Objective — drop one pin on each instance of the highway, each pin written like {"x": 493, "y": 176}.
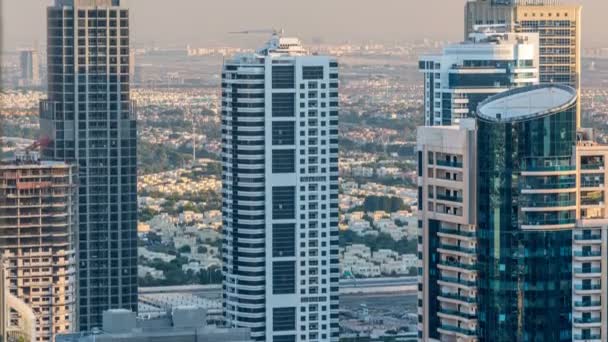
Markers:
{"x": 347, "y": 286}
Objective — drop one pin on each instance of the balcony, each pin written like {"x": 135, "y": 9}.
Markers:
{"x": 540, "y": 223}
{"x": 592, "y": 184}
{"x": 587, "y": 304}
{"x": 455, "y": 280}
{"x": 464, "y": 331}
{"x": 457, "y": 265}
{"x": 549, "y": 186}
{"x": 544, "y": 168}
{"x": 592, "y": 270}
{"x": 462, "y": 249}
{"x": 587, "y": 338}
{"x": 447, "y": 163}
{"x": 592, "y": 166}
{"x": 589, "y": 320}
{"x": 588, "y": 254}
{"x": 548, "y": 204}
{"x": 592, "y": 287}
{"x": 453, "y": 231}
{"x": 450, "y": 198}
{"x": 583, "y": 237}
{"x": 458, "y": 297}
{"x": 457, "y": 313}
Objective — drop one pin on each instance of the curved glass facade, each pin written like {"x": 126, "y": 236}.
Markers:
{"x": 525, "y": 229}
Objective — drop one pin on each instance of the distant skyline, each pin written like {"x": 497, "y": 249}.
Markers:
{"x": 207, "y": 22}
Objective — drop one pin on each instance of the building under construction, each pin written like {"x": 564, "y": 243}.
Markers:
{"x": 38, "y": 215}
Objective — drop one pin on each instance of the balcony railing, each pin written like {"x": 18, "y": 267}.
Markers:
{"x": 450, "y": 198}
{"x": 582, "y": 237}
{"x": 588, "y": 253}
{"x": 587, "y": 270}
{"x": 457, "y": 232}
{"x": 458, "y": 281}
{"x": 456, "y": 296}
{"x": 465, "y": 331}
{"x": 458, "y": 264}
{"x": 584, "y": 304}
{"x": 548, "y": 204}
{"x": 592, "y": 166}
{"x": 458, "y": 248}
{"x": 449, "y": 163}
{"x": 587, "y": 337}
{"x": 457, "y": 313}
{"x": 588, "y": 287}
{"x": 550, "y": 222}
{"x": 588, "y": 320}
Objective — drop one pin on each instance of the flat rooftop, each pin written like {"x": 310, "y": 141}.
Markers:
{"x": 526, "y": 103}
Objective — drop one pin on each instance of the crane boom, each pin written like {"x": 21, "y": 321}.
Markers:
{"x": 270, "y": 31}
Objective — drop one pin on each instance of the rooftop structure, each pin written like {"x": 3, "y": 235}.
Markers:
{"x": 527, "y": 103}
{"x": 184, "y": 324}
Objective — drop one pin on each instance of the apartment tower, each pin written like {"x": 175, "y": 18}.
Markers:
{"x": 280, "y": 193}
{"x": 37, "y": 240}
{"x": 489, "y": 62}
{"x": 558, "y": 26}
{"x": 89, "y": 120}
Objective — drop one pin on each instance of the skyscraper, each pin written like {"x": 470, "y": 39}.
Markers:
{"x": 30, "y": 67}
{"x": 280, "y": 193}
{"x": 559, "y": 28}
{"x": 487, "y": 63}
{"x": 37, "y": 240}
{"x": 89, "y": 120}
{"x": 512, "y": 215}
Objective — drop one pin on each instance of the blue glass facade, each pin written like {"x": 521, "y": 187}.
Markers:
{"x": 525, "y": 274}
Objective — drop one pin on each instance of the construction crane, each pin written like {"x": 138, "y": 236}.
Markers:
{"x": 274, "y": 32}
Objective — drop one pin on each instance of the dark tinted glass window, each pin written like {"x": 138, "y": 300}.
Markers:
{"x": 283, "y": 277}
{"x": 283, "y": 105}
{"x": 283, "y": 202}
{"x": 312, "y": 72}
{"x": 283, "y": 77}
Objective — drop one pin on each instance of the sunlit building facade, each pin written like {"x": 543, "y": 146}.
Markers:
{"x": 37, "y": 241}
{"x": 280, "y": 193}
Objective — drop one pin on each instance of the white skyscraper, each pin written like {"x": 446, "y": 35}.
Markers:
{"x": 465, "y": 74}
{"x": 280, "y": 193}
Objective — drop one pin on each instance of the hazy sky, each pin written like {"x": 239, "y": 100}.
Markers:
{"x": 199, "y": 22}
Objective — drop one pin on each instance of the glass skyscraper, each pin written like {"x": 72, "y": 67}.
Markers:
{"x": 89, "y": 120}
{"x": 526, "y": 210}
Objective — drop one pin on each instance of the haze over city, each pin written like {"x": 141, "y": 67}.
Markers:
{"x": 176, "y": 23}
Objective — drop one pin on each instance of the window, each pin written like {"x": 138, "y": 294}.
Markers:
{"x": 283, "y": 105}
{"x": 283, "y": 277}
{"x": 283, "y": 77}
{"x": 283, "y": 133}
{"x": 283, "y": 239}
{"x": 283, "y": 161}
{"x": 284, "y": 338}
{"x": 284, "y": 319}
{"x": 283, "y": 202}
{"x": 312, "y": 72}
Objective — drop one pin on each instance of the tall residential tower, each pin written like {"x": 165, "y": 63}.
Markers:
{"x": 88, "y": 119}
{"x": 558, "y": 26}
{"x": 280, "y": 193}
{"x": 487, "y": 63}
